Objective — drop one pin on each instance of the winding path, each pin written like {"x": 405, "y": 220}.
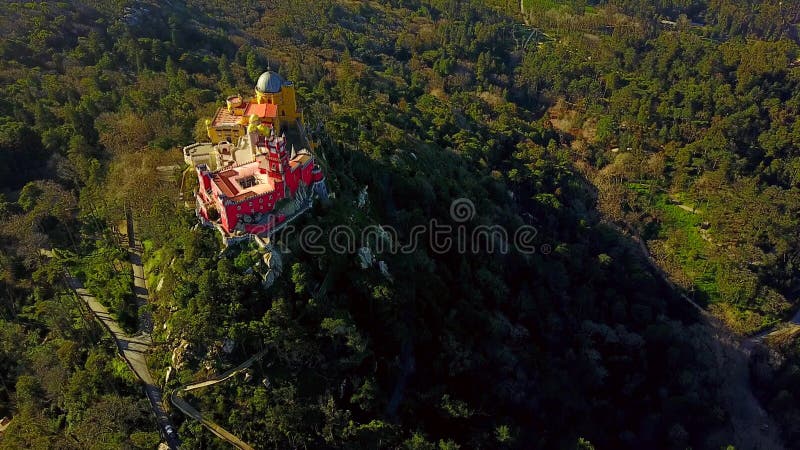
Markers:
{"x": 134, "y": 351}
{"x": 193, "y": 413}
{"x": 132, "y": 348}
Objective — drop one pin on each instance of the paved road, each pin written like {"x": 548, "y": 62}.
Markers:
{"x": 134, "y": 351}
{"x": 145, "y": 328}
{"x": 218, "y": 431}
{"x": 193, "y": 413}
{"x": 140, "y": 289}
{"x": 133, "y": 348}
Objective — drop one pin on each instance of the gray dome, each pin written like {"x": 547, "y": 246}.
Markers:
{"x": 270, "y": 82}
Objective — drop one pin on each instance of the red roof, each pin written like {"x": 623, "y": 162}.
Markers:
{"x": 262, "y": 110}
{"x": 225, "y": 118}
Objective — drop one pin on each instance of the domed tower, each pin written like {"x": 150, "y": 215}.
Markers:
{"x": 268, "y": 83}
{"x": 273, "y": 88}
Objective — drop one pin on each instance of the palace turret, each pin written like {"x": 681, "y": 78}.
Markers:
{"x": 274, "y": 104}
{"x": 252, "y": 165}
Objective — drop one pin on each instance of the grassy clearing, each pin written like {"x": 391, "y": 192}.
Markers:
{"x": 544, "y": 5}
{"x": 688, "y": 253}
{"x": 152, "y": 263}
{"x": 681, "y": 230}
{"x": 540, "y": 5}
{"x": 679, "y": 240}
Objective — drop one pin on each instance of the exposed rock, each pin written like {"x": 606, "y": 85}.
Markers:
{"x": 180, "y": 354}
{"x": 264, "y": 242}
{"x": 384, "y": 270}
{"x": 384, "y": 236}
{"x": 269, "y": 278}
{"x": 275, "y": 262}
{"x": 362, "y": 198}
{"x": 4, "y": 423}
{"x": 366, "y": 258}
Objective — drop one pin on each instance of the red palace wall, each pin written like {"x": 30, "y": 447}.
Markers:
{"x": 293, "y": 178}
{"x": 229, "y": 214}
{"x": 261, "y": 204}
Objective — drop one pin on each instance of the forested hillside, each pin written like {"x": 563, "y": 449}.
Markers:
{"x": 675, "y": 122}
{"x": 687, "y": 118}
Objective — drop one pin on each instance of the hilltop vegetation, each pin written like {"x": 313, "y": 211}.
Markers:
{"x": 674, "y": 105}
{"x": 424, "y": 102}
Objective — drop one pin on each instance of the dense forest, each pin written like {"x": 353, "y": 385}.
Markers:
{"x": 690, "y": 134}
{"x": 608, "y": 126}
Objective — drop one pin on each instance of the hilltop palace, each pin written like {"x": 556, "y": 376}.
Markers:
{"x": 256, "y": 173}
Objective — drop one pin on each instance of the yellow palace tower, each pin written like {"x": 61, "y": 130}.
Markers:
{"x": 274, "y": 103}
